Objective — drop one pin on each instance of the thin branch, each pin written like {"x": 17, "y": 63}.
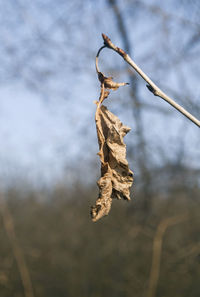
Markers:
{"x": 150, "y": 84}
{"x": 10, "y": 230}
{"x": 192, "y": 250}
{"x": 97, "y": 68}
{"x": 157, "y": 250}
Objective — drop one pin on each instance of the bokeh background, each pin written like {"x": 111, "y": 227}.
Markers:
{"x": 48, "y": 245}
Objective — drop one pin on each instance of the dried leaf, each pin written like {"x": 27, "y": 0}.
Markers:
{"x": 116, "y": 177}
{"x": 109, "y": 83}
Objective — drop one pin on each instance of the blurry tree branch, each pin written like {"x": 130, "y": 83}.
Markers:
{"x": 156, "y": 9}
{"x": 193, "y": 249}
{"x": 10, "y": 230}
{"x": 120, "y": 24}
{"x": 137, "y": 107}
{"x": 150, "y": 84}
{"x": 157, "y": 249}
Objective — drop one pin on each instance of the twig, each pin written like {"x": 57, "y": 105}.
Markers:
{"x": 10, "y": 230}
{"x": 150, "y": 84}
{"x": 157, "y": 249}
{"x": 102, "y": 96}
{"x": 97, "y": 68}
{"x": 106, "y": 82}
{"x": 186, "y": 252}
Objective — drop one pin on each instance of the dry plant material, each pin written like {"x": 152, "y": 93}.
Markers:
{"x": 116, "y": 177}
{"x": 109, "y": 83}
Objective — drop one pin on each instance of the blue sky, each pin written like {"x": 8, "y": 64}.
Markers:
{"x": 48, "y": 84}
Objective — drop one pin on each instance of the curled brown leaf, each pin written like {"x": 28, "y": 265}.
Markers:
{"x": 116, "y": 177}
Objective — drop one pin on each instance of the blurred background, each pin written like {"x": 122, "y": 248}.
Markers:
{"x": 147, "y": 247}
